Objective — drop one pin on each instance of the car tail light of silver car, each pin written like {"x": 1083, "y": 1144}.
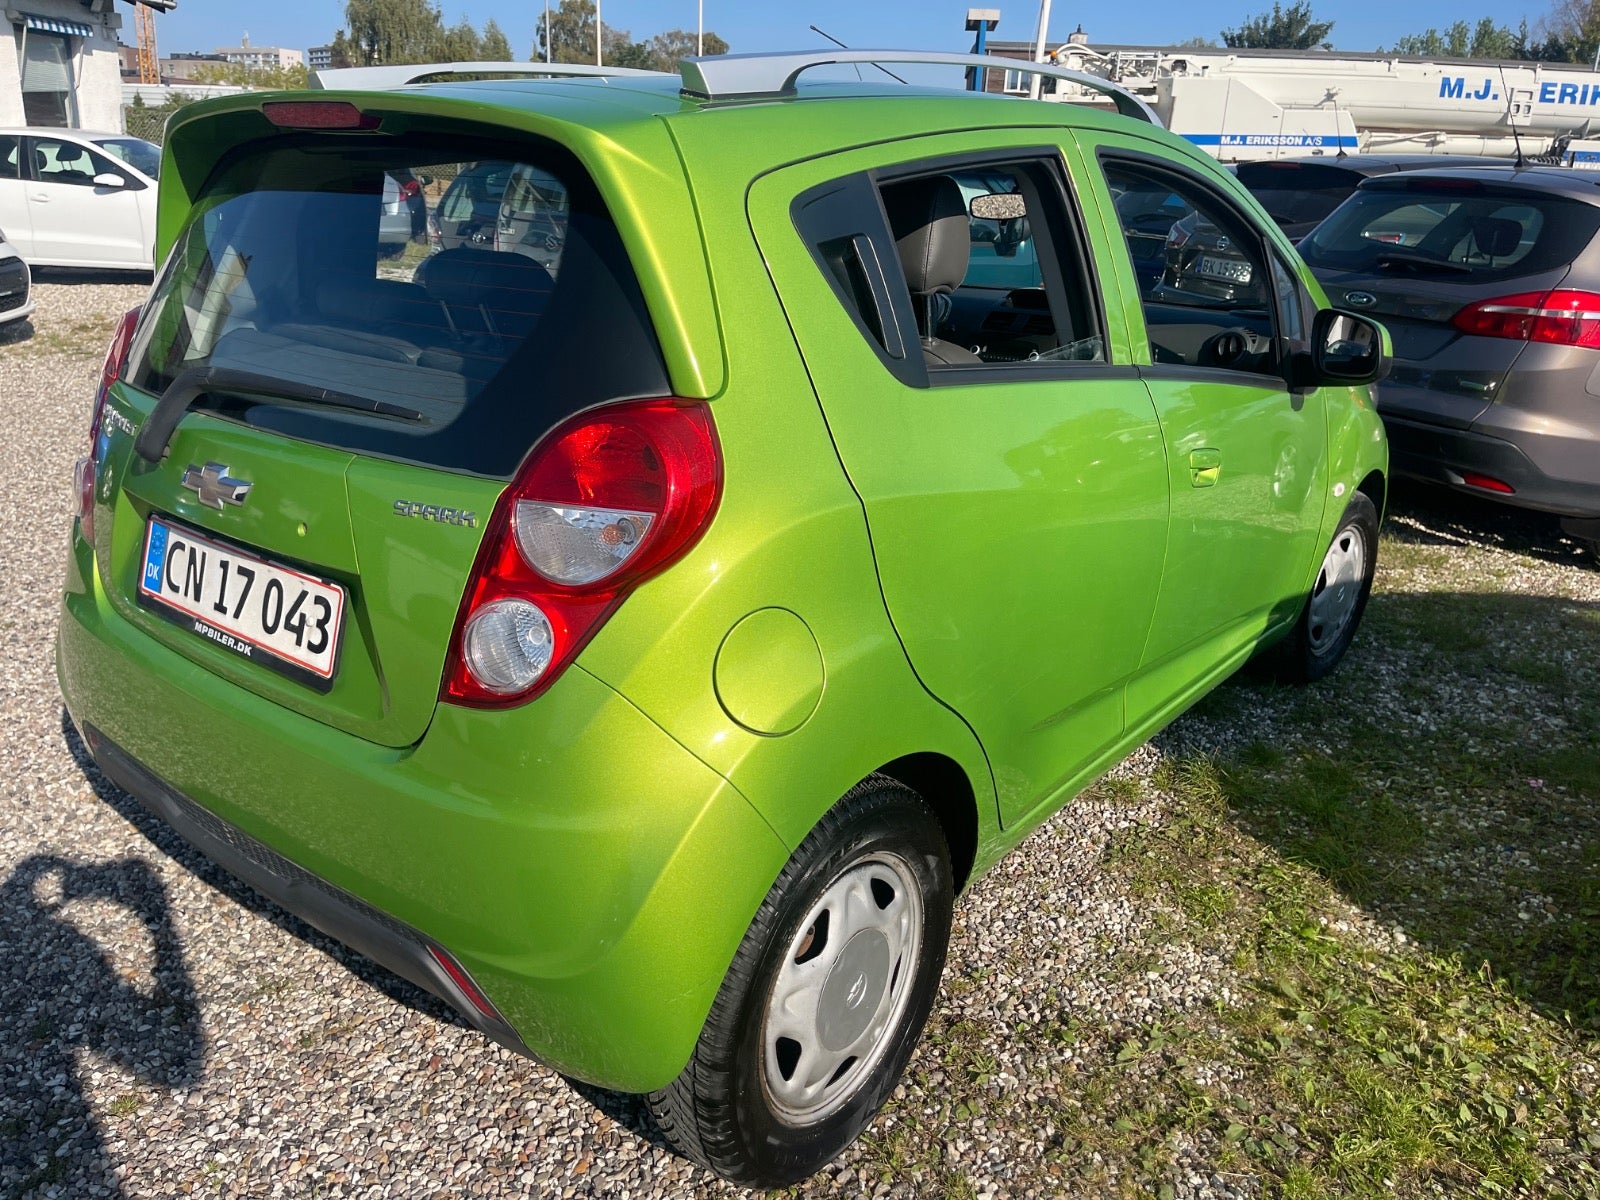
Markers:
{"x": 603, "y": 503}
{"x": 84, "y": 471}
{"x": 1566, "y": 317}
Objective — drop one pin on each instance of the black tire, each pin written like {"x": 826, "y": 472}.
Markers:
{"x": 730, "y": 1108}
{"x": 1317, "y": 643}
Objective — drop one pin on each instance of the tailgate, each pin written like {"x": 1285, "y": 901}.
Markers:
{"x": 329, "y": 417}
{"x": 320, "y": 517}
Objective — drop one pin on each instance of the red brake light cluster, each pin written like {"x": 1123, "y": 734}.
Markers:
{"x": 607, "y": 500}
{"x": 317, "y": 114}
{"x": 1565, "y": 317}
{"x": 110, "y": 371}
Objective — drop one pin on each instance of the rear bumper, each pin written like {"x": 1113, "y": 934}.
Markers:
{"x": 1444, "y": 455}
{"x": 590, "y": 876}
{"x": 388, "y": 942}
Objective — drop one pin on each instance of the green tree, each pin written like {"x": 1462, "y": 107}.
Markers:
{"x": 572, "y": 35}
{"x": 239, "y": 75}
{"x": 459, "y": 43}
{"x": 671, "y": 47}
{"x": 389, "y": 32}
{"x": 494, "y": 46}
{"x": 1289, "y": 28}
{"x": 1571, "y": 32}
{"x": 1461, "y": 40}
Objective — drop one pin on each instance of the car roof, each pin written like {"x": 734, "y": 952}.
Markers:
{"x": 1539, "y": 179}
{"x": 82, "y": 135}
{"x": 1377, "y": 164}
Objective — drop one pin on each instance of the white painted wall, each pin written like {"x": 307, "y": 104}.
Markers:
{"x": 96, "y": 69}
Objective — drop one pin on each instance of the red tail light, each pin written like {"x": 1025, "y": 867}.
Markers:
{"x": 607, "y": 500}
{"x": 1566, "y": 317}
{"x": 111, "y": 371}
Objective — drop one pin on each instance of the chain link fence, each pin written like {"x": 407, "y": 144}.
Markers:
{"x": 143, "y": 121}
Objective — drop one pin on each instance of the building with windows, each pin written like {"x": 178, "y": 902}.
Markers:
{"x": 319, "y": 58}
{"x": 62, "y": 68}
{"x": 259, "y": 58}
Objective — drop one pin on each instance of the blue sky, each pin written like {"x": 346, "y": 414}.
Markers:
{"x": 763, "y": 25}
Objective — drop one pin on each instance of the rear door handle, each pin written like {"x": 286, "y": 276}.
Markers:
{"x": 1205, "y": 467}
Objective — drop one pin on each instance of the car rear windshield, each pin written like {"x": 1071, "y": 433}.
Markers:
{"x": 1297, "y": 193}
{"x": 1457, "y": 230}
{"x": 465, "y": 324}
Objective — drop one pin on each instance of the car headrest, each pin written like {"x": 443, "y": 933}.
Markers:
{"x": 69, "y": 152}
{"x": 929, "y": 221}
{"x": 492, "y": 279}
{"x": 1496, "y": 236}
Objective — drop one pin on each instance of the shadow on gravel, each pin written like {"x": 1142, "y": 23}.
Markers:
{"x": 1447, "y": 779}
{"x": 169, "y": 842}
{"x": 1431, "y": 515}
{"x": 64, "y": 993}
{"x": 15, "y": 332}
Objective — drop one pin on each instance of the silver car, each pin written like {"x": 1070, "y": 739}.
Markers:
{"x": 1489, "y": 281}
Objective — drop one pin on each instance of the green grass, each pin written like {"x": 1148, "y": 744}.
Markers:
{"x": 1399, "y": 871}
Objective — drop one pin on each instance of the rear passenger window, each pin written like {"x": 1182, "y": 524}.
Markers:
{"x": 454, "y": 308}
{"x": 967, "y": 265}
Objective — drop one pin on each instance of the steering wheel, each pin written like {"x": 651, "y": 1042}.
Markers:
{"x": 1226, "y": 349}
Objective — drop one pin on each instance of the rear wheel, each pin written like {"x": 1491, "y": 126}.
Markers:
{"x": 826, "y": 996}
{"x": 1333, "y": 610}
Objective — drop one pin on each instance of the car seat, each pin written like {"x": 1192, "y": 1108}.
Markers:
{"x": 929, "y": 221}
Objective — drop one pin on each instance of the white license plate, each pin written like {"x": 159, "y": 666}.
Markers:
{"x": 1225, "y": 268}
{"x": 281, "y": 618}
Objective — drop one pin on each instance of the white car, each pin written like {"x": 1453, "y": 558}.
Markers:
{"x": 16, "y": 297}
{"x": 72, "y": 198}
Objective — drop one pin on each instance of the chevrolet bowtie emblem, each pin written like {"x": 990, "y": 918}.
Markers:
{"x": 214, "y": 485}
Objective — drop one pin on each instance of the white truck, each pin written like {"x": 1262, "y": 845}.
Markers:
{"x": 1247, "y": 105}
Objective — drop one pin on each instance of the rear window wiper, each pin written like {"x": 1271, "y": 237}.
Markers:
{"x": 1421, "y": 262}
{"x": 190, "y": 385}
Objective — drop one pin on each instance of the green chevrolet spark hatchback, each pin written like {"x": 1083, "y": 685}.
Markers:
{"x": 639, "y": 643}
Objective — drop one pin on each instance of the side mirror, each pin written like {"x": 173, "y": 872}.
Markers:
{"x": 1346, "y": 348}
{"x": 110, "y": 179}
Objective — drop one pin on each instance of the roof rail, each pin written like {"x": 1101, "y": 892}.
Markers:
{"x": 743, "y": 76}
{"x": 384, "y": 78}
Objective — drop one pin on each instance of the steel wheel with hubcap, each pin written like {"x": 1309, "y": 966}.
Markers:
{"x": 826, "y": 997}
{"x": 1338, "y": 597}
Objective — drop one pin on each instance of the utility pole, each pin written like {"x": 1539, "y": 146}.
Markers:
{"x": 700, "y": 32}
{"x": 598, "y": 41}
{"x": 547, "y": 30}
{"x": 1038, "y": 49}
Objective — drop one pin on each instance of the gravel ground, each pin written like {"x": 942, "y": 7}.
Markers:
{"x": 164, "y": 1031}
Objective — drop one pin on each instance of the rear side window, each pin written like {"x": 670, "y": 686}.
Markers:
{"x": 455, "y": 298}
{"x": 1297, "y": 193}
{"x": 1471, "y": 232}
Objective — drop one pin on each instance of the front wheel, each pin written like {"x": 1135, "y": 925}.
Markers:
{"x": 1338, "y": 597}
{"x": 825, "y": 998}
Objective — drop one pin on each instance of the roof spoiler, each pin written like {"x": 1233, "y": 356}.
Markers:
{"x": 380, "y": 79}
{"x": 746, "y": 76}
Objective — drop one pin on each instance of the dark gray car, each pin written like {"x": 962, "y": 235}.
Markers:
{"x": 1489, "y": 282}
{"x": 1299, "y": 193}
